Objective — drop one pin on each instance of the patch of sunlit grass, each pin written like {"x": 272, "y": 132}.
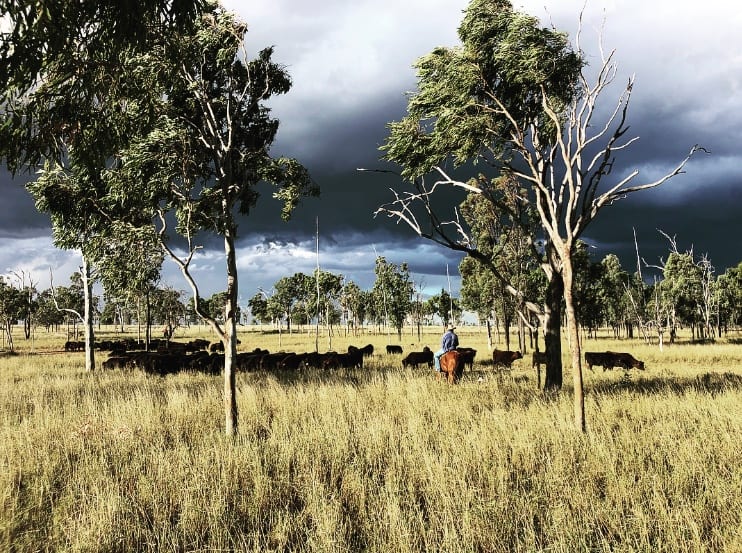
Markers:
{"x": 378, "y": 459}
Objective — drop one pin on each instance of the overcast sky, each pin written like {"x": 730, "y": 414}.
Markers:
{"x": 351, "y": 66}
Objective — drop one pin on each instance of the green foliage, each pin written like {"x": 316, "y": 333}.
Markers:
{"x": 446, "y": 307}
{"x": 38, "y": 34}
{"x": 356, "y": 302}
{"x": 505, "y": 60}
{"x": 612, "y": 291}
{"x": 12, "y": 307}
{"x": 259, "y": 308}
{"x": 392, "y": 293}
{"x": 208, "y": 147}
{"x": 47, "y": 315}
{"x": 682, "y": 286}
{"x": 288, "y": 291}
{"x": 129, "y": 259}
{"x": 502, "y": 227}
{"x": 729, "y": 294}
{"x": 329, "y": 286}
{"x": 167, "y": 307}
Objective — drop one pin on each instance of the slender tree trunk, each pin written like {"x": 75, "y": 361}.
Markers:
{"x": 87, "y": 285}
{"x": 506, "y": 324}
{"x": 553, "y": 333}
{"x": 148, "y": 323}
{"x": 574, "y": 346}
{"x": 9, "y": 332}
{"x": 489, "y": 335}
{"x": 230, "y": 331}
{"x": 521, "y": 336}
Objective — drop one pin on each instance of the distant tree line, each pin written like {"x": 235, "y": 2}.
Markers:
{"x": 684, "y": 294}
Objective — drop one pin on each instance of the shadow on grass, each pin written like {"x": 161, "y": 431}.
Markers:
{"x": 708, "y": 383}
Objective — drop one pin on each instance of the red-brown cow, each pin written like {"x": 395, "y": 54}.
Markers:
{"x": 505, "y": 358}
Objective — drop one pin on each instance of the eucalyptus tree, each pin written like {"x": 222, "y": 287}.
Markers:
{"x": 258, "y": 305}
{"x": 519, "y": 98}
{"x": 74, "y": 301}
{"x": 128, "y": 263}
{"x": 62, "y": 193}
{"x": 28, "y": 287}
{"x": 392, "y": 293}
{"x": 729, "y": 297}
{"x": 587, "y": 290}
{"x": 47, "y": 314}
{"x": 288, "y": 292}
{"x": 355, "y": 302}
{"x": 479, "y": 289}
{"x": 446, "y": 307}
{"x": 690, "y": 287}
{"x": 502, "y": 228}
{"x": 12, "y": 307}
{"x": 612, "y": 292}
{"x": 69, "y": 125}
{"x": 35, "y": 35}
{"x": 206, "y": 152}
{"x": 115, "y": 312}
{"x": 322, "y": 296}
{"x": 419, "y": 309}
{"x": 167, "y": 308}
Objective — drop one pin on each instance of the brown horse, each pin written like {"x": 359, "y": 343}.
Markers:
{"x": 452, "y": 364}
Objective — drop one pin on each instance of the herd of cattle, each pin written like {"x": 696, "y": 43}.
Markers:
{"x": 167, "y": 357}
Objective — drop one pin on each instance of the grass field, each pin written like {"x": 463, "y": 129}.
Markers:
{"x": 380, "y": 459}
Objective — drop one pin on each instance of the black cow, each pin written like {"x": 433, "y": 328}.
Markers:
{"x": 539, "y": 358}
{"x": 415, "y": 358}
{"x": 467, "y": 356}
{"x": 610, "y": 359}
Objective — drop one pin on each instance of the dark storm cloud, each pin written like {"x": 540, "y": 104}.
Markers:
{"x": 708, "y": 222}
{"x": 351, "y": 64}
{"x": 18, "y": 215}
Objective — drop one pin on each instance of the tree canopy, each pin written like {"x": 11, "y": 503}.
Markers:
{"x": 37, "y": 34}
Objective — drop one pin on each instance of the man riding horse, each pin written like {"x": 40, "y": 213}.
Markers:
{"x": 447, "y": 359}
{"x": 449, "y": 342}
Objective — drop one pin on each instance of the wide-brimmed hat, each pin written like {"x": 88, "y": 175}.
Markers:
{"x": 451, "y": 327}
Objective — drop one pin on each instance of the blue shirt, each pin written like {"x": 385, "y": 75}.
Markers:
{"x": 449, "y": 341}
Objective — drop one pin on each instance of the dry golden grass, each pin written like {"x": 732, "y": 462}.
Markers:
{"x": 380, "y": 459}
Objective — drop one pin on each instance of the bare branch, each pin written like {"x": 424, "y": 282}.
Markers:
{"x": 184, "y": 266}
{"x": 56, "y": 303}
